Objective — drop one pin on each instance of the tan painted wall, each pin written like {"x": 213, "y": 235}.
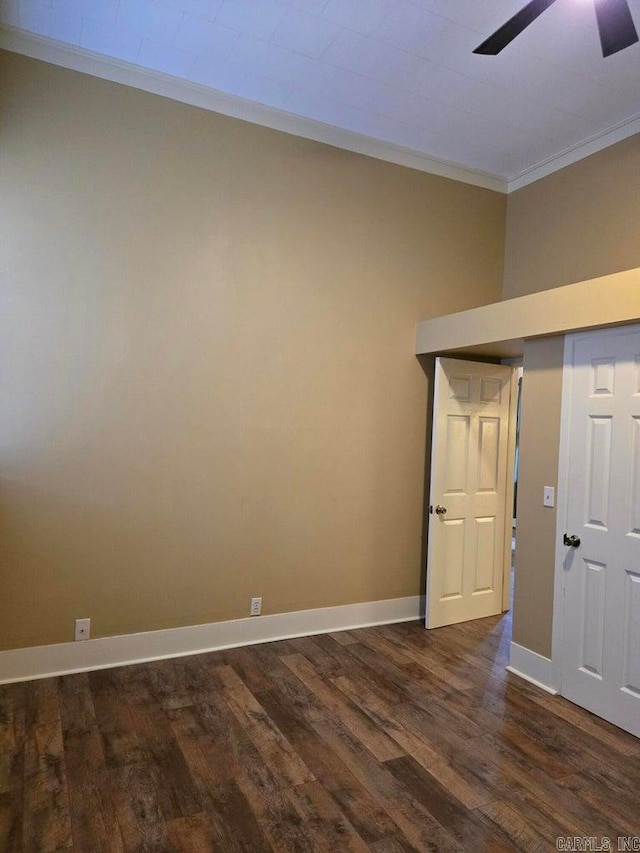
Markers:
{"x": 579, "y": 223}
{"x": 576, "y": 224}
{"x": 209, "y": 386}
{"x": 538, "y": 467}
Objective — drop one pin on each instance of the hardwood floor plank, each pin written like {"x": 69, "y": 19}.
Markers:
{"x": 377, "y": 741}
{"x": 46, "y": 817}
{"x": 607, "y": 734}
{"x": 265, "y": 735}
{"x": 370, "y": 821}
{"x": 462, "y": 823}
{"x": 93, "y": 814}
{"x": 235, "y": 826}
{"x": 344, "y": 638}
{"x": 192, "y": 834}
{"x": 204, "y": 833}
{"x": 284, "y": 683}
{"x": 12, "y": 740}
{"x": 322, "y": 652}
{"x": 610, "y": 801}
{"x": 424, "y": 752}
{"x": 278, "y": 819}
{"x": 246, "y": 664}
{"x": 551, "y": 794}
{"x": 573, "y": 748}
{"x": 441, "y": 663}
{"x": 175, "y": 683}
{"x": 550, "y": 821}
{"x": 175, "y": 791}
{"x": 392, "y": 845}
{"x": 413, "y": 821}
{"x": 134, "y": 790}
{"x": 122, "y": 746}
{"x": 418, "y": 687}
{"x": 515, "y": 827}
{"x": 330, "y": 827}
{"x": 215, "y": 763}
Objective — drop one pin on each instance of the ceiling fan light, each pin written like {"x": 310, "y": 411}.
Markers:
{"x": 615, "y": 25}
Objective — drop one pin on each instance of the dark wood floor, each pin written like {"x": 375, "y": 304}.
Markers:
{"x": 386, "y": 739}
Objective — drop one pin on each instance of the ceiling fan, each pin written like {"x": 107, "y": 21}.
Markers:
{"x": 615, "y": 26}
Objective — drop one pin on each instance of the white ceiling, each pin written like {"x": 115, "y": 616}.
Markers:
{"x": 400, "y": 72}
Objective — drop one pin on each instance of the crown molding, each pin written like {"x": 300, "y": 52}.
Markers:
{"x": 197, "y": 95}
{"x": 571, "y": 155}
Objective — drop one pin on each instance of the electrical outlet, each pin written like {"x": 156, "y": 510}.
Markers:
{"x": 256, "y": 607}
{"x": 83, "y": 629}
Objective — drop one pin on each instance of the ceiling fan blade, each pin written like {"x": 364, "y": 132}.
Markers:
{"x": 514, "y": 26}
{"x": 615, "y": 25}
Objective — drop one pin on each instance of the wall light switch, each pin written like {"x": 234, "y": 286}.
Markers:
{"x": 548, "y": 496}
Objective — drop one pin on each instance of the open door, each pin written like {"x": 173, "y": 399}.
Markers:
{"x": 471, "y": 491}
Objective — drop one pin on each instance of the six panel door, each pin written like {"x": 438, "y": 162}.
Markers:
{"x": 601, "y": 622}
{"x": 468, "y": 491}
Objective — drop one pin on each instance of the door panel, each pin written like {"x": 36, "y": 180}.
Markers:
{"x": 631, "y": 654}
{"x": 593, "y": 576}
{"x": 453, "y": 558}
{"x": 469, "y": 480}
{"x": 485, "y": 551}
{"x": 601, "y": 614}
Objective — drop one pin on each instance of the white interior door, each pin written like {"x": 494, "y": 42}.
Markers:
{"x": 600, "y": 666}
{"x": 469, "y": 489}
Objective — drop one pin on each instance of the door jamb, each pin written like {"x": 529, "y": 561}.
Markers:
{"x": 511, "y": 460}
{"x": 510, "y": 488}
{"x": 562, "y": 507}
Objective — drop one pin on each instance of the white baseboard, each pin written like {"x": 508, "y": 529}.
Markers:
{"x": 532, "y": 667}
{"x": 105, "y": 652}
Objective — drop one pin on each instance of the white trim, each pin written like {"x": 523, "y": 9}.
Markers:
{"x": 562, "y": 504}
{"x": 510, "y": 487}
{"x": 627, "y": 128}
{"x": 531, "y": 666}
{"x": 129, "y": 74}
{"x": 105, "y": 652}
{"x": 119, "y": 71}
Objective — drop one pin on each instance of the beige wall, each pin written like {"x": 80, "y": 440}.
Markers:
{"x": 209, "y": 387}
{"x": 578, "y": 223}
{"x": 538, "y": 467}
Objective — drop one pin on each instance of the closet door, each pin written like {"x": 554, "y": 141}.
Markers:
{"x": 601, "y": 558}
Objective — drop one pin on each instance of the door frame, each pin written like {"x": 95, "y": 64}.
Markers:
{"x": 515, "y": 364}
{"x": 562, "y": 509}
